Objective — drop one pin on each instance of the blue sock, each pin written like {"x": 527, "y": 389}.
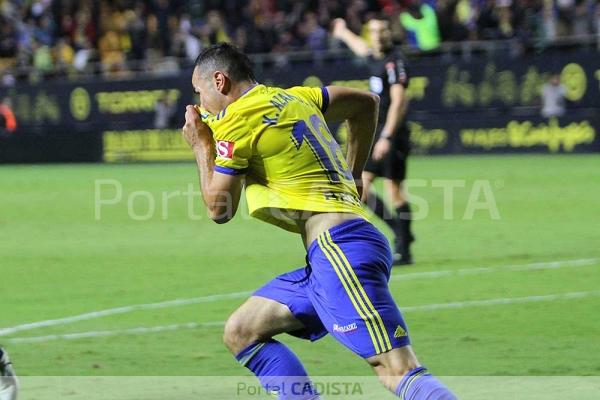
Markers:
{"x": 278, "y": 370}
{"x": 418, "y": 384}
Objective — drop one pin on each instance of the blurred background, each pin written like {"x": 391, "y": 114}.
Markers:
{"x": 108, "y": 80}
{"x": 507, "y": 262}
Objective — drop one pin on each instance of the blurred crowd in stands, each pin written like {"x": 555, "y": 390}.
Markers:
{"x": 40, "y": 38}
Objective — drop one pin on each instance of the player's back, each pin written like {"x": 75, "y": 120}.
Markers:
{"x": 279, "y": 139}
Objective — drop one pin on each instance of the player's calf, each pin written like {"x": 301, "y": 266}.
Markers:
{"x": 248, "y": 335}
{"x": 400, "y": 372}
{"x": 391, "y": 366}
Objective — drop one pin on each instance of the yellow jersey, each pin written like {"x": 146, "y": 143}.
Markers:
{"x": 279, "y": 139}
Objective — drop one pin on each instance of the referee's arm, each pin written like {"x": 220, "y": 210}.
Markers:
{"x": 397, "y": 110}
{"x": 394, "y": 117}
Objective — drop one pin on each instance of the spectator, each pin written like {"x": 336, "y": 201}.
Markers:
{"x": 566, "y": 15}
{"x": 421, "y": 25}
{"x": 145, "y": 31}
{"x": 215, "y": 28}
{"x": 137, "y": 30}
{"x": 8, "y": 116}
{"x": 191, "y": 42}
{"x": 8, "y": 39}
{"x": 63, "y": 56}
{"x": 83, "y": 30}
{"x": 505, "y": 25}
{"x": 111, "y": 53}
{"x": 163, "y": 112}
{"x": 553, "y": 98}
{"x": 44, "y": 31}
{"x": 455, "y": 19}
{"x": 548, "y": 30}
{"x": 154, "y": 40}
{"x": 42, "y": 58}
{"x": 82, "y": 55}
{"x": 315, "y": 36}
{"x": 583, "y": 17}
{"x": 161, "y": 10}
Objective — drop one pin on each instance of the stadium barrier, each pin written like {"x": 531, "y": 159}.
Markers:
{"x": 483, "y": 103}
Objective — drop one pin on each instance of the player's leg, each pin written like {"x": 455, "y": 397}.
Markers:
{"x": 354, "y": 260}
{"x": 278, "y": 307}
{"x": 394, "y": 170}
{"x": 400, "y": 372}
{"x": 9, "y": 385}
{"x": 402, "y": 220}
{"x": 257, "y": 320}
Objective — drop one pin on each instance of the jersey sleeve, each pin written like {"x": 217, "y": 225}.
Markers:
{"x": 233, "y": 145}
{"x": 397, "y": 72}
{"x": 316, "y": 96}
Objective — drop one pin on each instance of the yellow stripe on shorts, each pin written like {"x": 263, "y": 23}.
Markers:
{"x": 328, "y": 251}
{"x": 378, "y": 322}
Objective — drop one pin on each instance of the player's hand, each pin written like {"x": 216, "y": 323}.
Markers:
{"x": 339, "y": 28}
{"x": 195, "y": 132}
{"x": 381, "y": 149}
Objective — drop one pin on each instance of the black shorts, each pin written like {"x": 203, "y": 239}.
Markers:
{"x": 392, "y": 166}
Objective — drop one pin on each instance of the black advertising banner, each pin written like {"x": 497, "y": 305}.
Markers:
{"x": 483, "y": 105}
{"x": 99, "y": 104}
{"x": 501, "y": 135}
{"x": 451, "y": 84}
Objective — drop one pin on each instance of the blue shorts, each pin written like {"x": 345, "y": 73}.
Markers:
{"x": 344, "y": 290}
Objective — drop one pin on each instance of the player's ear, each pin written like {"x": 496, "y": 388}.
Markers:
{"x": 221, "y": 82}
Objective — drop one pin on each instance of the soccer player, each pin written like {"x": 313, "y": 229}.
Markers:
{"x": 389, "y": 79}
{"x": 9, "y": 385}
{"x": 296, "y": 177}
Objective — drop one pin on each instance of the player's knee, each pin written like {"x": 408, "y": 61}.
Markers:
{"x": 238, "y": 334}
{"x": 390, "y": 367}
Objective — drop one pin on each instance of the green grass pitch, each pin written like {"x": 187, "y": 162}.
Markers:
{"x": 57, "y": 260}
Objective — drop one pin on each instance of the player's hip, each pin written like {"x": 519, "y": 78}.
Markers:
{"x": 354, "y": 246}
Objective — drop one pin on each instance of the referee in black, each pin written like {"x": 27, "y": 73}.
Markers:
{"x": 389, "y": 79}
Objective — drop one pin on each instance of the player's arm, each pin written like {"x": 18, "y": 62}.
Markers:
{"x": 360, "y": 110}
{"x": 395, "y": 115}
{"x": 220, "y": 192}
{"x": 352, "y": 40}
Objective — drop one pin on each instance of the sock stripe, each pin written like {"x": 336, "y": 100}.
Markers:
{"x": 355, "y": 301}
{"x": 250, "y": 352}
{"x": 410, "y": 382}
{"x": 378, "y": 321}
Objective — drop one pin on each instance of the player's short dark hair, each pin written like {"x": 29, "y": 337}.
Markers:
{"x": 228, "y": 58}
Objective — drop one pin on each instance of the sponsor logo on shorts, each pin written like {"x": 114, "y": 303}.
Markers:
{"x": 225, "y": 149}
{"x": 400, "y": 332}
{"x": 345, "y": 328}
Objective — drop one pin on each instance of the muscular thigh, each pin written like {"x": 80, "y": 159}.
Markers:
{"x": 265, "y": 318}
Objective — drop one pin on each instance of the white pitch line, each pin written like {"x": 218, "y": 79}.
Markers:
{"x": 237, "y": 295}
{"x": 132, "y": 331}
{"x": 484, "y": 270}
{"x": 420, "y": 308}
{"x": 502, "y": 301}
{"x": 122, "y": 310}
